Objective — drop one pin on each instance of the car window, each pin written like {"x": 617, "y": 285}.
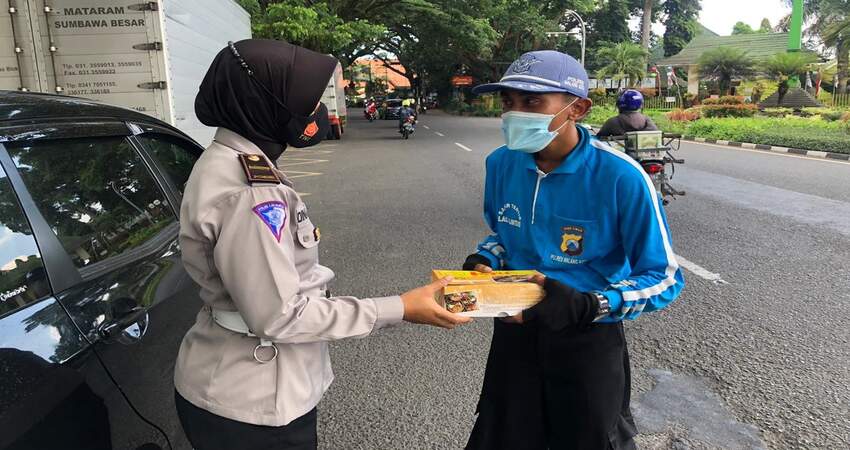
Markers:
{"x": 97, "y": 195}
{"x": 175, "y": 158}
{"x": 23, "y": 279}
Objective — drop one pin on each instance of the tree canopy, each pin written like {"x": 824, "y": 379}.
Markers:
{"x": 435, "y": 39}
{"x": 681, "y": 24}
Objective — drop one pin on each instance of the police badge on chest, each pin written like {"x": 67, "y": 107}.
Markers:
{"x": 572, "y": 246}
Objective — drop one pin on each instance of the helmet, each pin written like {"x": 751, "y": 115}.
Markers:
{"x": 630, "y": 100}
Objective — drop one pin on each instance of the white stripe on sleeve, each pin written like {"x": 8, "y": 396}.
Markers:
{"x": 672, "y": 264}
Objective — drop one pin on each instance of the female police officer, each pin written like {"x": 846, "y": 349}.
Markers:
{"x": 563, "y": 203}
{"x": 255, "y": 364}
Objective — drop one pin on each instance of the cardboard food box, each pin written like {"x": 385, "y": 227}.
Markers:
{"x": 644, "y": 140}
{"x": 500, "y": 293}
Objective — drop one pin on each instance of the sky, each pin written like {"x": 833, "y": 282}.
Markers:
{"x": 721, "y": 15}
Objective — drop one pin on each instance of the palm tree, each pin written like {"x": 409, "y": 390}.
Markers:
{"x": 836, "y": 34}
{"x": 782, "y": 66}
{"x": 724, "y": 63}
{"x": 625, "y": 60}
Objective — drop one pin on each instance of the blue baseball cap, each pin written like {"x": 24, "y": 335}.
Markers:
{"x": 543, "y": 71}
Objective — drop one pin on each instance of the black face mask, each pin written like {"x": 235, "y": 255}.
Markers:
{"x": 307, "y": 131}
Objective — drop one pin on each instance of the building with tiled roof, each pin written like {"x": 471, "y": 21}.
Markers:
{"x": 758, "y": 46}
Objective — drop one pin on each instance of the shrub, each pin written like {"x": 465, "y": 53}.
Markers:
{"x": 724, "y": 100}
{"x": 729, "y": 110}
{"x": 598, "y": 96}
{"x": 794, "y": 132}
{"x": 731, "y": 100}
{"x": 648, "y": 92}
{"x": 777, "y": 112}
{"x": 689, "y": 99}
{"x": 828, "y": 114}
{"x": 845, "y": 117}
{"x": 684, "y": 115}
{"x": 599, "y": 114}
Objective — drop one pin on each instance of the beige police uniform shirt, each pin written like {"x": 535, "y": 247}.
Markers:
{"x": 253, "y": 249}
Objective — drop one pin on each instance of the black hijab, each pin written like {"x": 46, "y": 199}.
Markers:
{"x": 229, "y": 98}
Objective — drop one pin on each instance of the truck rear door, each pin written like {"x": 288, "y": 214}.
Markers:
{"x": 19, "y": 60}
{"x": 101, "y": 49}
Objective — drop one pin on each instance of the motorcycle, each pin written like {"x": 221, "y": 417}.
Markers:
{"x": 653, "y": 151}
{"x": 371, "y": 113}
{"x": 407, "y": 127}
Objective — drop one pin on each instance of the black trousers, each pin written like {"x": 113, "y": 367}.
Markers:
{"x": 555, "y": 390}
{"x": 207, "y": 431}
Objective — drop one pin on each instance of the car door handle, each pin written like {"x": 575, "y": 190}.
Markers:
{"x": 114, "y": 328}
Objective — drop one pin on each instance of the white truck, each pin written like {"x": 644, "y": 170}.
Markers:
{"x": 334, "y": 99}
{"x": 146, "y": 55}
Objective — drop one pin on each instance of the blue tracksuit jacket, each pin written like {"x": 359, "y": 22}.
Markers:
{"x": 594, "y": 223}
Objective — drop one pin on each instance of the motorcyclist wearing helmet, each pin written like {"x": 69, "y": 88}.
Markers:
{"x": 630, "y": 118}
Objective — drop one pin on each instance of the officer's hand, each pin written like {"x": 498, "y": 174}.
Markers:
{"x": 562, "y": 306}
{"x": 478, "y": 263}
{"x": 420, "y": 307}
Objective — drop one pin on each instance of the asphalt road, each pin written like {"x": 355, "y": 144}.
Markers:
{"x": 762, "y": 361}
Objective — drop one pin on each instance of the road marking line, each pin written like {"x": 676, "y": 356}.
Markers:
{"x": 426, "y": 127}
{"x": 300, "y": 162}
{"x": 700, "y": 271}
{"x": 439, "y": 134}
{"x": 296, "y": 174}
{"x": 463, "y": 146}
{"x": 306, "y": 152}
{"x": 777, "y": 151}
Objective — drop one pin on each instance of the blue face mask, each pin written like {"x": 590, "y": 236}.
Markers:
{"x": 529, "y": 132}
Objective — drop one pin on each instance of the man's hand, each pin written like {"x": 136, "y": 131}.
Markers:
{"x": 562, "y": 307}
{"x": 478, "y": 263}
{"x": 420, "y": 307}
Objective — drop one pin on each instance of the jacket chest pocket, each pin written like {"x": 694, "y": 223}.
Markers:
{"x": 306, "y": 233}
{"x": 570, "y": 241}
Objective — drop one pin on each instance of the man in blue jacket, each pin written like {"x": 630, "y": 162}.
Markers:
{"x": 559, "y": 201}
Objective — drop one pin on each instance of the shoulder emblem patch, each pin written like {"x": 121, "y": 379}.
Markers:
{"x": 258, "y": 169}
{"x": 273, "y": 214}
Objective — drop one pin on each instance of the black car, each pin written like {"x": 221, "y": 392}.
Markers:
{"x": 392, "y": 109}
{"x": 94, "y": 299}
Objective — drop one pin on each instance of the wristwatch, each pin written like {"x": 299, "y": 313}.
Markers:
{"x": 604, "y": 306}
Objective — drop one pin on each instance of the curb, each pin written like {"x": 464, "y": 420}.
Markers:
{"x": 772, "y": 148}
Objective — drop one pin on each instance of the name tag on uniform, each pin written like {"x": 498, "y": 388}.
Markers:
{"x": 258, "y": 169}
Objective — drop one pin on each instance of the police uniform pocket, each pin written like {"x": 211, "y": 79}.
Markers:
{"x": 308, "y": 234}
{"x": 570, "y": 241}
